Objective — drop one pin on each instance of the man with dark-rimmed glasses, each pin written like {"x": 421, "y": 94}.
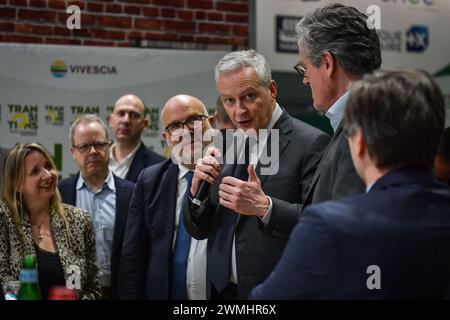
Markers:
{"x": 160, "y": 260}
{"x": 96, "y": 189}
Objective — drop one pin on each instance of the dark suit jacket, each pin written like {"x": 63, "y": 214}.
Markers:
{"x": 124, "y": 189}
{"x": 259, "y": 247}
{"x": 147, "y": 248}
{"x": 142, "y": 159}
{"x": 402, "y": 226}
{"x": 336, "y": 177}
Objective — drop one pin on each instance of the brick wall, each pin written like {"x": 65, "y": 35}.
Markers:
{"x": 128, "y": 23}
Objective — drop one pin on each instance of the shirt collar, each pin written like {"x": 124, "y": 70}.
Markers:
{"x": 275, "y": 116}
{"x": 131, "y": 155}
{"x": 109, "y": 182}
{"x": 182, "y": 170}
{"x": 336, "y": 112}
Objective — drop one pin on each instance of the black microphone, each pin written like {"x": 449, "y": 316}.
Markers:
{"x": 203, "y": 188}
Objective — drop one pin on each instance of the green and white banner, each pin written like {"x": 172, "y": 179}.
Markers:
{"x": 44, "y": 88}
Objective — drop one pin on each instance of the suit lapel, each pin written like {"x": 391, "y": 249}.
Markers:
{"x": 284, "y": 126}
{"x": 335, "y": 136}
{"x": 163, "y": 206}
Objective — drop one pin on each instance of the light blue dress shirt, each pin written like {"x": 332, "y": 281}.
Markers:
{"x": 102, "y": 206}
{"x": 336, "y": 112}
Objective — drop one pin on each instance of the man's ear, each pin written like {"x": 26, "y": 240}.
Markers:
{"x": 146, "y": 122}
{"x": 360, "y": 143}
{"x": 273, "y": 89}
{"x": 329, "y": 63}
{"x": 212, "y": 120}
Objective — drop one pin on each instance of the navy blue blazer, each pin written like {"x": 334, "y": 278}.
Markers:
{"x": 143, "y": 158}
{"x": 124, "y": 189}
{"x": 402, "y": 226}
{"x": 147, "y": 248}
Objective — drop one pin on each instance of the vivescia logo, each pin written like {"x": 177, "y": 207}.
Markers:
{"x": 58, "y": 68}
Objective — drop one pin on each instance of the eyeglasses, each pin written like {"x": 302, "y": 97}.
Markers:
{"x": 84, "y": 148}
{"x": 171, "y": 128}
{"x": 300, "y": 68}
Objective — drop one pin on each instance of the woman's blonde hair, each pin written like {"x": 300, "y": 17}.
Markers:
{"x": 13, "y": 177}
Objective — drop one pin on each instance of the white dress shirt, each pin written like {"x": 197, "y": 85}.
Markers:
{"x": 336, "y": 111}
{"x": 121, "y": 168}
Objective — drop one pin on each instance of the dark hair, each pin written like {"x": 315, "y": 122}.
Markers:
{"x": 444, "y": 145}
{"x": 344, "y": 32}
{"x": 401, "y": 115}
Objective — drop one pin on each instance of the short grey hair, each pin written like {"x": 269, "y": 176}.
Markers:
{"x": 236, "y": 60}
{"x": 344, "y": 32}
{"x": 86, "y": 118}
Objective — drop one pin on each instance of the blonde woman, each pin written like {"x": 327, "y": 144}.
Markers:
{"x": 33, "y": 220}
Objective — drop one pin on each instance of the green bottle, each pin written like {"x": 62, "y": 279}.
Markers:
{"x": 29, "y": 287}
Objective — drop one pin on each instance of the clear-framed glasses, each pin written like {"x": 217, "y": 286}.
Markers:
{"x": 171, "y": 128}
{"x": 99, "y": 146}
{"x": 300, "y": 68}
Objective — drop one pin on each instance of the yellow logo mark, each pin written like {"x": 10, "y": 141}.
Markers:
{"x": 21, "y": 119}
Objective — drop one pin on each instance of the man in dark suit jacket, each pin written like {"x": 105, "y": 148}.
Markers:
{"x": 128, "y": 154}
{"x": 328, "y": 62}
{"x": 93, "y": 185}
{"x": 393, "y": 241}
{"x": 153, "y": 228}
{"x": 249, "y": 214}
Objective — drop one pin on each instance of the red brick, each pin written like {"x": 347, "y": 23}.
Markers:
{"x": 62, "y": 41}
{"x": 179, "y": 25}
{"x": 138, "y": 1}
{"x": 29, "y": 28}
{"x": 132, "y": 10}
{"x": 86, "y": 33}
{"x": 168, "y": 37}
{"x": 109, "y": 21}
{"x": 200, "y": 15}
{"x": 147, "y": 24}
{"x": 150, "y": 12}
{"x": 3, "y": 1}
{"x": 152, "y": 36}
{"x": 80, "y": 4}
{"x": 6, "y": 26}
{"x": 56, "y": 4}
{"x": 242, "y": 18}
{"x": 214, "y": 28}
{"x": 98, "y": 43}
{"x": 215, "y": 16}
{"x": 169, "y": 3}
{"x": 37, "y": 3}
{"x": 22, "y": 39}
{"x": 185, "y": 14}
{"x": 200, "y": 4}
{"x": 95, "y": 7}
{"x": 61, "y": 31}
{"x": 37, "y": 15}
{"x": 236, "y": 42}
{"x": 240, "y": 30}
{"x": 8, "y": 13}
{"x": 116, "y": 35}
{"x": 231, "y": 6}
{"x": 2, "y": 37}
{"x": 114, "y": 8}
{"x": 124, "y": 44}
{"x": 134, "y": 35}
{"x": 21, "y": 3}
{"x": 167, "y": 13}
{"x": 186, "y": 38}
